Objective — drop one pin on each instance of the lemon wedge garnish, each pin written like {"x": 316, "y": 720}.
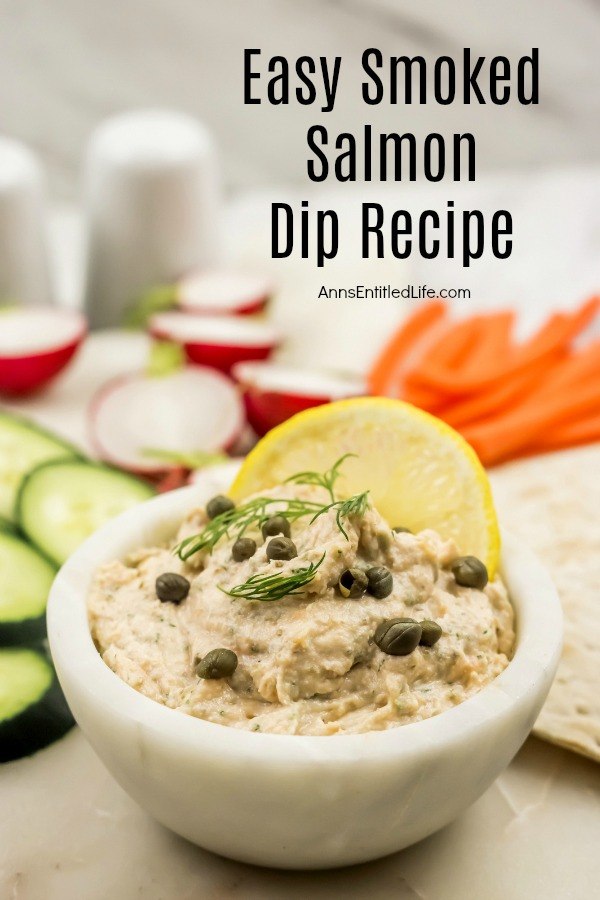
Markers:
{"x": 419, "y": 471}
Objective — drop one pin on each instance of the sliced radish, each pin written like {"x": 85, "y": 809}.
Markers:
{"x": 273, "y": 393}
{"x": 191, "y": 410}
{"x": 217, "y": 341}
{"x": 36, "y": 343}
{"x": 223, "y": 293}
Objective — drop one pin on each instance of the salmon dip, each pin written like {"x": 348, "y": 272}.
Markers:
{"x": 297, "y": 613}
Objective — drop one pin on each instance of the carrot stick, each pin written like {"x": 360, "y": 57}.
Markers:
{"x": 583, "y": 431}
{"x": 448, "y": 353}
{"x": 568, "y": 393}
{"x": 583, "y": 364}
{"x": 498, "y": 439}
{"x": 557, "y": 334}
{"x": 380, "y": 378}
{"x": 473, "y": 341}
{"x": 498, "y": 398}
{"x": 452, "y": 344}
{"x": 493, "y": 340}
{"x": 501, "y": 368}
{"x": 427, "y": 398}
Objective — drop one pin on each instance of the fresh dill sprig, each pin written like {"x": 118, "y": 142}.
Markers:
{"x": 235, "y": 522}
{"x": 275, "y": 587}
{"x": 238, "y": 520}
{"x": 353, "y": 506}
{"x": 325, "y": 480}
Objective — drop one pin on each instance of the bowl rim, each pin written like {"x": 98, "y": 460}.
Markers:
{"x": 538, "y": 647}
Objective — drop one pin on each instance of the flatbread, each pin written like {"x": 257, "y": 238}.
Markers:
{"x": 552, "y": 503}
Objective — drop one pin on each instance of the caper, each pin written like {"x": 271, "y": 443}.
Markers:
{"x": 219, "y": 505}
{"x": 469, "y": 571}
{"x": 398, "y": 637}
{"x": 430, "y": 633}
{"x": 219, "y": 663}
{"x": 281, "y": 548}
{"x": 276, "y": 525}
{"x": 380, "y": 581}
{"x": 171, "y": 587}
{"x": 352, "y": 583}
{"x": 400, "y": 529}
{"x": 243, "y": 549}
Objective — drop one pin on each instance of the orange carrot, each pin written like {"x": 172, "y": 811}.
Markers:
{"x": 448, "y": 344}
{"x": 381, "y": 377}
{"x": 498, "y": 398}
{"x": 427, "y": 398}
{"x": 557, "y": 334}
{"x": 583, "y": 431}
{"x": 507, "y": 400}
{"x": 452, "y": 344}
{"x": 466, "y": 345}
{"x": 493, "y": 340}
{"x": 498, "y": 439}
{"x": 580, "y": 365}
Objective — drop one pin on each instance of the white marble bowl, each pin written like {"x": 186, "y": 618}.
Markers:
{"x": 286, "y": 800}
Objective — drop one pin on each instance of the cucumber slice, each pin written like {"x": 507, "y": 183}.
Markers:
{"x": 33, "y": 710}
{"x": 7, "y": 525}
{"x": 23, "y": 445}
{"x": 61, "y": 503}
{"x": 25, "y": 579}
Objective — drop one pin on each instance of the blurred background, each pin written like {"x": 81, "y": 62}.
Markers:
{"x": 66, "y": 65}
{"x": 69, "y": 67}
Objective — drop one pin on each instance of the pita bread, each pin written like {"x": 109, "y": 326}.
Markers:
{"x": 552, "y": 503}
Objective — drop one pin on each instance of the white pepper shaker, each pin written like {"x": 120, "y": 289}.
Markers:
{"x": 24, "y": 269}
{"x": 152, "y": 199}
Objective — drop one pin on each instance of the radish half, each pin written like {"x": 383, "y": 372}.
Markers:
{"x": 36, "y": 343}
{"x": 216, "y": 341}
{"x": 191, "y": 410}
{"x": 273, "y": 393}
{"x": 223, "y": 293}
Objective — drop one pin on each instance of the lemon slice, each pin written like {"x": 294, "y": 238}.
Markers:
{"x": 419, "y": 471}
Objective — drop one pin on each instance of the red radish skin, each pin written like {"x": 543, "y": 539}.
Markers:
{"x": 177, "y": 477}
{"x": 32, "y": 367}
{"x": 225, "y": 358}
{"x": 217, "y": 342}
{"x": 198, "y": 409}
{"x": 274, "y": 393}
{"x": 223, "y": 293}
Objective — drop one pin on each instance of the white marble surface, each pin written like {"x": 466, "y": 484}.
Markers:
{"x": 69, "y": 832}
{"x": 67, "y": 64}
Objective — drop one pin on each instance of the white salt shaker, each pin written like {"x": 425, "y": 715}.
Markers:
{"x": 24, "y": 269}
{"x": 152, "y": 199}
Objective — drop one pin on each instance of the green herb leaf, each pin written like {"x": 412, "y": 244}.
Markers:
{"x": 325, "y": 480}
{"x": 274, "y": 587}
{"x": 195, "y": 460}
{"x": 238, "y": 520}
{"x": 353, "y": 506}
{"x": 165, "y": 358}
{"x": 156, "y": 299}
{"x": 255, "y": 512}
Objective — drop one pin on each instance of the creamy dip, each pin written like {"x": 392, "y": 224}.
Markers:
{"x": 307, "y": 663}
